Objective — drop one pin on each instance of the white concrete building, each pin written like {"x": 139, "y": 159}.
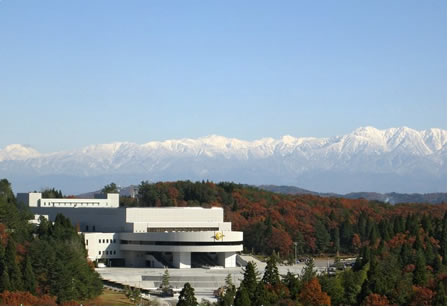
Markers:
{"x": 180, "y": 237}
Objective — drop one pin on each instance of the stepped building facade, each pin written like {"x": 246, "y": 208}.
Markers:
{"x": 180, "y": 237}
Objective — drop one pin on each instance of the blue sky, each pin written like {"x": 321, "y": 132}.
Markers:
{"x": 85, "y": 72}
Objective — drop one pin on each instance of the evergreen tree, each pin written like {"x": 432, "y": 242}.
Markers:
{"x": 110, "y": 188}
{"x": 442, "y": 238}
{"x": 5, "y": 284}
{"x": 322, "y": 236}
{"x": 440, "y": 297}
{"x": 336, "y": 240}
{"x": 29, "y": 281}
{"x": 228, "y": 297}
{"x": 271, "y": 276}
{"x": 186, "y": 296}
{"x": 332, "y": 285}
{"x": 15, "y": 275}
{"x": 260, "y": 297}
{"x": 301, "y": 246}
{"x": 293, "y": 284}
{"x": 308, "y": 272}
{"x": 250, "y": 279}
{"x": 242, "y": 297}
{"x": 165, "y": 285}
{"x": 420, "y": 274}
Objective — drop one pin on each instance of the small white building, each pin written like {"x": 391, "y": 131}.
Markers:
{"x": 180, "y": 237}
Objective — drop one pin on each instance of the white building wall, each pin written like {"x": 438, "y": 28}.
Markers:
{"x": 36, "y": 200}
{"x": 182, "y": 260}
{"x": 102, "y": 245}
{"x": 174, "y": 215}
{"x": 227, "y": 259}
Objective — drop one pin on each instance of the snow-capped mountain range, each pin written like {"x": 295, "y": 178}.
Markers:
{"x": 391, "y": 160}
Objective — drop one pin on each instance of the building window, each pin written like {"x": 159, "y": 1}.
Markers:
{"x": 99, "y": 241}
{"x": 104, "y": 241}
{"x": 93, "y": 227}
{"x": 114, "y": 241}
{"x": 99, "y": 253}
{"x": 107, "y": 253}
{"x": 87, "y": 227}
{"x": 115, "y": 252}
{"x": 87, "y": 242}
{"x": 107, "y": 241}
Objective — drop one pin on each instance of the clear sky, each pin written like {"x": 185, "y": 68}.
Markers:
{"x": 74, "y": 73}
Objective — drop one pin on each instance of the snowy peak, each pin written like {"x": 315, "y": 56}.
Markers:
{"x": 369, "y": 159}
{"x": 366, "y": 140}
{"x": 18, "y": 152}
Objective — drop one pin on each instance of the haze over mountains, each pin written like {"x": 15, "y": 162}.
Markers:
{"x": 392, "y": 160}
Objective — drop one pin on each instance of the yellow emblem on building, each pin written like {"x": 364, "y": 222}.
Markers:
{"x": 219, "y": 236}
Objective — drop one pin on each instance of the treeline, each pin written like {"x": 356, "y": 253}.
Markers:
{"x": 44, "y": 265}
{"x": 273, "y": 222}
{"x": 381, "y": 278}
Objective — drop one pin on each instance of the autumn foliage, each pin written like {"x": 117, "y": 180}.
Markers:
{"x": 312, "y": 295}
{"x": 376, "y": 300}
{"x": 26, "y": 299}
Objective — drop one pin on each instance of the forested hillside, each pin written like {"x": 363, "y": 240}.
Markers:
{"x": 318, "y": 224}
{"x": 44, "y": 265}
{"x": 401, "y": 249}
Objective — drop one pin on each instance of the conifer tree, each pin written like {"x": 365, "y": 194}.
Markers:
{"x": 260, "y": 297}
{"x": 250, "y": 279}
{"x": 5, "y": 284}
{"x": 440, "y": 297}
{"x": 271, "y": 276}
{"x": 308, "y": 272}
{"x": 186, "y": 297}
{"x": 293, "y": 284}
{"x": 165, "y": 285}
{"x": 228, "y": 296}
{"x": 420, "y": 275}
{"x": 29, "y": 281}
{"x": 15, "y": 275}
{"x": 242, "y": 297}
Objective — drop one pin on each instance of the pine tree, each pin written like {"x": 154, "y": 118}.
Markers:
{"x": 5, "y": 284}
{"x": 228, "y": 297}
{"x": 300, "y": 248}
{"x": 250, "y": 279}
{"x": 260, "y": 297}
{"x": 322, "y": 236}
{"x": 293, "y": 284}
{"x": 165, "y": 285}
{"x": 336, "y": 240}
{"x": 420, "y": 274}
{"x": 242, "y": 297}
{"x": 271, "y": 276}
{"x": 15, "y": 275}
{"x": 186, "y": 296}
{"x": 29, "y": 281}
{"x": 308, "y": 272}
{"x": 440, "y": 297}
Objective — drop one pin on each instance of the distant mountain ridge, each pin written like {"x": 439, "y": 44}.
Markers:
{"x": 368, "y": 159}
{"x": 392, "y": 198}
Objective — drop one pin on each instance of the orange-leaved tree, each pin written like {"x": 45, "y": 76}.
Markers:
{"x": 312, "y": 295}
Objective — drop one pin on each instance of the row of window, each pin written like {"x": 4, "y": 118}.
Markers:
{"x": 107, "y": 252}
{"x": 107, "y": 241}
{"x": 180, "y": 243}
{"x": 104, "y": 241}
{"x": 173, "y": 229}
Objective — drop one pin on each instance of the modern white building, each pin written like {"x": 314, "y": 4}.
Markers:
{"x": 180, "y": 237}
